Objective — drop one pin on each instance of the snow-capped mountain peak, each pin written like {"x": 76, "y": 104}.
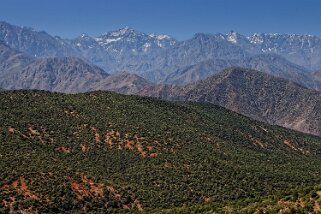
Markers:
{"x": 120, "y": 32}
{"x": 232, "y": 37}
{"x": 133, "y": 40}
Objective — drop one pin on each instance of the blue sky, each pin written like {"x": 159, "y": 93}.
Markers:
{"x": 178, "y": 18}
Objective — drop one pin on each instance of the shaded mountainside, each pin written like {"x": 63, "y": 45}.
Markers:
{"x": 20, "y": 71}
{"x": 141, "y": 154}
{"x": 67, "y": 75}
{"x": 254, "y": 94}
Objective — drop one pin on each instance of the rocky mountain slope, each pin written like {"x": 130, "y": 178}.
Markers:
{"x": 255, "y": 94}
{"x": 142, "y": 155}
{"x": 20, "y": 71}
{"x": 69, "y": 75}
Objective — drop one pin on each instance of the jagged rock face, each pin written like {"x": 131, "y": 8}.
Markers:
{"x": 254, "y": 94}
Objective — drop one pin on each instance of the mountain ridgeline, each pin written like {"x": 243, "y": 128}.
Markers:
{"x": 143, "y": 155}
{"x": 157, "y": 57}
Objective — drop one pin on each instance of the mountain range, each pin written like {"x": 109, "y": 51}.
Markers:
{"x": 36, "y": 60}
{"x": 154, "y": 56}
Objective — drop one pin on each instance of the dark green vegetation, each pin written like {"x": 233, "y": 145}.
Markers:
{"x": 104, "y": 152}
{"x": 302, "y": 200}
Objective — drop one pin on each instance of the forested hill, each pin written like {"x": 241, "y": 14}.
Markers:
{"x": 105, "y": 152}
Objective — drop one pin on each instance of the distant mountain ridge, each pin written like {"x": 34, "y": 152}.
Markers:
{"x": 113, "y": 51}
{"x": 162, "y": 55}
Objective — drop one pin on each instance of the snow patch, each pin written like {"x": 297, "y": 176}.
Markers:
{"x": 256, "y": 39}
{"x": 146, "y": 46}
{"x": 159, "y": 44}
{"x": 159, "y": 36}
{"x": 119, "y": 32}
{"x": 107, "y": 41}
{"x": 102, "y": 41}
